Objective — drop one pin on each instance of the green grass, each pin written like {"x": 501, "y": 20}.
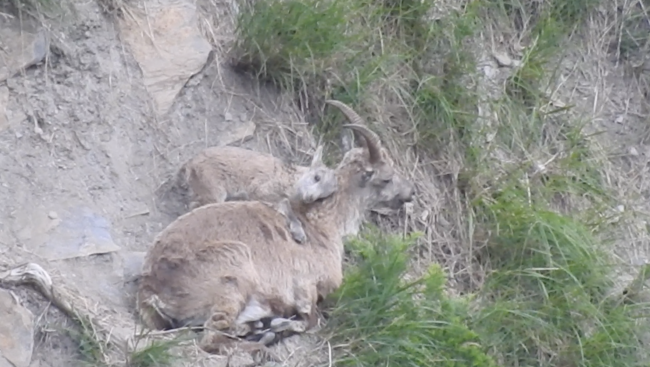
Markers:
{"x": 530, "y": 185}
{"x": 381, "y": 320}
{"x": 544, "y": 27}
{"x": 344, "y": 55}
{"x": 546, "y": 299}
{"x": 92, "y": 349}
{"x": 155, "y": 354}
{"x": 90, "y": 346}
{"x": 631, "y": 37}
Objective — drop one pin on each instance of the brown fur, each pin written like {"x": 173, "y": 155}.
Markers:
{"x": 225, "y": 265}
{"x": 182, "y": 286}
{"x": 205, "y": 267}
{"x": 393, "y": 189}
{"x": 185, "y": 250}
{"x": 219, "y": 174}
{"x": 214, "y": 177}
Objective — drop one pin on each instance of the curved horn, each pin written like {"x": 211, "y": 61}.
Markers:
{"x": 352, "y": 116}
{"x": 372, "y": 140}
{"x": 347, "y": 111}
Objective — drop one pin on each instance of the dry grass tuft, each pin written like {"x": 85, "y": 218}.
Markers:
{"x": 93, "y": 333}
{"x": 103, "y": 338}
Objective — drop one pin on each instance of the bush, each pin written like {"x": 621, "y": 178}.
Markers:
{"x": 546, "y": 301}
{"x": 381, "y": 319}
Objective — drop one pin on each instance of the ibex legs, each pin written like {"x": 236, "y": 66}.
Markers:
{"x": 222, "y": 329}
{"x": 279, "y": 327}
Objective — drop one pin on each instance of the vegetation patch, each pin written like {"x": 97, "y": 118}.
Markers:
{"x": 90, "y": 346}
{"x": 383, "y": 319}
{"x": 350, "y": 50}
{"x": 633, "y": 36}
{"x": 530, "y": 206}
{"x": 156, "y": 354}
{"x": 547, "y": 300}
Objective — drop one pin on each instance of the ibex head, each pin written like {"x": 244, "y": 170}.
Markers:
{"x": 317, "y": 183}
{"x": 390, "y": 189}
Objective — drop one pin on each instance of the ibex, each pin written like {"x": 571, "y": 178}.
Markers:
{"x": 219, "y": 174}
{"x": 317, "y": 182}
{"x": 225, "y": 265}
{"x": 225, "y": 173}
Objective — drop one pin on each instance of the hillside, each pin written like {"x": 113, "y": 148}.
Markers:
{"x": 523, "y": 124}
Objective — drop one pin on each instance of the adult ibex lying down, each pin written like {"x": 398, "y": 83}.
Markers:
{"x": 219, "y": 174}
{"x": 225, "y": 265}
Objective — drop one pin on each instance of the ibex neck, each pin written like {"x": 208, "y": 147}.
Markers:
{"x": 340, "y": 213}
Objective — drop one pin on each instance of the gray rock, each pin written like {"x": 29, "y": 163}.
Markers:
{"x": 75, "y": 232}
{"x": 16, "y": 332}
{"x": 22, "y": 43}
{"x": 170, "y": 51}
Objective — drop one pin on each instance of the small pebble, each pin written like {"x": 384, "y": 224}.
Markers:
{"x": 489, "y": 71}
{"x": 53, "y": 215}
{"x": 634, "y": 152}
{"x": 227, "y": 116}
{"x": 502, "y": 59}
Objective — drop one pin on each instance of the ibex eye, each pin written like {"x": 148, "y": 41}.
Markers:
{"x": 317, "y": 178}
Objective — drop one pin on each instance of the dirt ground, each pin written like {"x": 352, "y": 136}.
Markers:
{"x": 85, "y": 150}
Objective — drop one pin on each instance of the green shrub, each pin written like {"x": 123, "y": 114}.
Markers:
{"x": 546, "y": 300}
{"x": 382, "y": 319}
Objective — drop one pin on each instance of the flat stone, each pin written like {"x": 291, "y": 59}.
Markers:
{"x": 76, "y": 232}
{"x": 502, "y": 59}
{"x": 16, "y": 332}
{"x": 22, "y": 44}
{"x": 166, "y": 42}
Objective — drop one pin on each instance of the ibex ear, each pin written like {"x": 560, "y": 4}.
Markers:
{"x": 317, "y": 160}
